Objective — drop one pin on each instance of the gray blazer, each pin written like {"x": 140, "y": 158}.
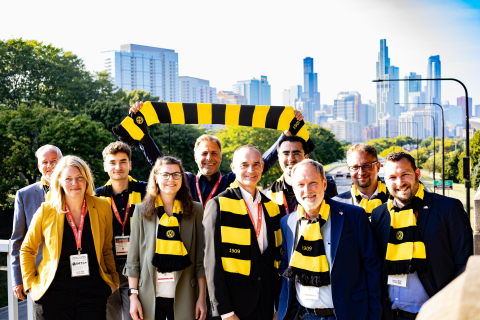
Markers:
{"x": 27, "y": 201}
{"x": 345, "y": 197}
{"x": 139, "y": 263}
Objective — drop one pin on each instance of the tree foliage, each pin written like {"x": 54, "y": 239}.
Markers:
{"x": 451, "y": 165}
{"x": 381, "y": 144}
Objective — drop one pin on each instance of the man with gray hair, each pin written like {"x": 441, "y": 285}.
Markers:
{"x": 331, "y": 266}
{"x": 27, "y": 201}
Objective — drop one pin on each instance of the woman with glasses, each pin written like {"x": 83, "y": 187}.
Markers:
{"x": 165, "y": 257}
{"x": 77, "y": 273}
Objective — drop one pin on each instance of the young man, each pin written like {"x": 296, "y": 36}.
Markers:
{"x": 425, "y": 239}
{"x": 27, "y": 201}
{"x": 242, "y": 244}
{"x": 367, "y": 190}
{"x": 331, "y": 266}
{"x": 123, "y": 192}
{"x": 291, "y": 150}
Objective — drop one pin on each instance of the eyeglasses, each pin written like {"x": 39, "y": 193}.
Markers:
{"x": 365, "y": 167}
{"x": 166, "y": 175}
{"x": 295, "y": 154}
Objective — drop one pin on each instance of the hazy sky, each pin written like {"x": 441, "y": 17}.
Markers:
{"x": 226, "y": 41}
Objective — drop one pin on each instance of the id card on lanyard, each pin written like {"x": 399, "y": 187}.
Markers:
{"x": 211, "y": 193}
{"x": 121, "y": 242}
{"x": 285, "y": 204}
{"x": 78, "y": 263}
{"x": 259, "y": 218}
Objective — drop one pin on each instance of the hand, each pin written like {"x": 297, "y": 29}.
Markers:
{"x": 136, "y": 107}
{"x": 135, "y": 308}
{"x": 17, "y": 291}
{"x": 233, "y": 317}
{"x": 114, "y": 287}
{"x": 275, "y": 315}
{"x": 298, "y": 115}
{"x": 201, "y": 309}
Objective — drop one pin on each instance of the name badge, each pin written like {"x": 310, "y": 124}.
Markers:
{"x": 309, "y": 293}
{"x": 121, "y": 245}
{"x": 79, "y": 265}
{"x": 399, "y": 280}
{"x": 165, "y": 277}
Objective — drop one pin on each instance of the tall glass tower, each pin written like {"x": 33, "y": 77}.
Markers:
{"x": 434, "y": 88}
{"x": 388, "y": 93}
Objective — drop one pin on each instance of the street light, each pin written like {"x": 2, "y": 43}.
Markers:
{"x": 416, "y": 141}
{"x": 466, "y": 159}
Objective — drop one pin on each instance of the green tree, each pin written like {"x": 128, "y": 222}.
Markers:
{"x": 327, "y": 148}
{"x": 476, "y": 177}
{"x": 451, "y": 165}
{"x": 385, "y": 152}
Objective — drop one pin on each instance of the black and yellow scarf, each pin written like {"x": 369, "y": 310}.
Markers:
{"x": 406, "y": 250}
{"x": 170, "y": 252}
{"x": 237, "y": 233}
{"x": 275, "y": 193}
{"x": 377, "y": 201}
{"x": 134, "y": 127}
{"x": 309, "y": 264}
{"x": 46, "y": 190}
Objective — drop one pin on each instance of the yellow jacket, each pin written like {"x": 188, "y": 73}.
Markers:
{"x": 47, "y": 226}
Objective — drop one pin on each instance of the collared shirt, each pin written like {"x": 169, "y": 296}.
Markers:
{"x": 365, "y": 196}
{"x": 325, "y": 299}
{"x": 206, "y": 186}
{"x": 253, "y": 206}
{"x": 410, "y": 298}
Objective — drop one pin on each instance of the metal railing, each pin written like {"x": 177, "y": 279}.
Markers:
{"x": 5, "y": 246}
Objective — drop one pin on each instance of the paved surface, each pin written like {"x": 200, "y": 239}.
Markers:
{"x": 22, "y": 311}
{"x": 343, "y": 183}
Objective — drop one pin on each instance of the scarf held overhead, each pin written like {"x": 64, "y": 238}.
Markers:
{"x": 406, "y": 250}
{"x": 309, "y": 264}
{"x": 369, "y": 205}
{"x": 170, "y": 252}
{"x": 134, "y": 127}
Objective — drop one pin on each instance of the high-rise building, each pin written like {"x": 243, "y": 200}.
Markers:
{"x": 388, "y": 93}
{"x": 310, "y": 84}
{"x": 371, "y": 132}
{"x": 256, "y": 91}
{"x": 476, "y": 111}
{"x": 434, "y": 88}
{"x": 461, "y": 103}
{"x": 229, "y": 97}
{"x": 455, "y": 115}
{"x": 345, "y": 130}
{"x": 411, "y": 87}
{"x": 411, "y": 124}
{"x": 291, "y": 95}
{"x": 348, "y": 106}
{"x": 305, "y": 105}
{"x": 388, "y": 126}
{"x": 151, "y": 69}
{"x": 194, "y": 90}
{"x": 369, "y": 113}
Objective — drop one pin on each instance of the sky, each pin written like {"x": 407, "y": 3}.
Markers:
{"x": 227, "y": 41}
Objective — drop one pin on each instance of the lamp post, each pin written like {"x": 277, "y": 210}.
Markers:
{"x": 466, "y": 159}
{"x": 416, "y": 141}
{"x": 433, "y": 121}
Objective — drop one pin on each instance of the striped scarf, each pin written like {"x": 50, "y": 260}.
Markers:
{"x": 405, "y": 251}
{"x": 369, "y": 205}
{"x": 170, "y": 252}
{"x": 309, "y": 264}
{"x": 275, "y": 193}
{"x": 237, "y": 233}
{"x": 46, "y": 190}
{"x": 134, "y": 127}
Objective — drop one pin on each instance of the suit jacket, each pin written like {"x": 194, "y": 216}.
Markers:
{"x": 355, "y": 274}
{"x": 447, "y": 235}
{"x": 345, "y": 197}
{"x": 331, "y": 189}
{"x": 139, "y": 263}
{"x": 242, "y": 300}
{"x": 27, "y": 202}
{"x": 48, "y": 224}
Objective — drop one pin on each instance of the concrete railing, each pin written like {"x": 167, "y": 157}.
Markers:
{"x": 476, "y": 223}
{"x": 5, "y": 246}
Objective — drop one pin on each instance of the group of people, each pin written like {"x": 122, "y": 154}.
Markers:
{"x": 207, "y": 245}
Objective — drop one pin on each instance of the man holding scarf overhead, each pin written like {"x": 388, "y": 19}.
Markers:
{"x": 243, "y": 244}
{"x": 424, "y": 238}
{"x": 367, "y": 190}
{"x": 331, "y": 266}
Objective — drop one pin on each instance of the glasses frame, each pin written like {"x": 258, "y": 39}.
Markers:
{"x": 362, "y": 166}
{"x": 169, "y": 175}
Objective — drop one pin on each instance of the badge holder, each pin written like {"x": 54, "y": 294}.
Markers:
{"x": 121, "y": 245}
{"x": 79, "y": 264}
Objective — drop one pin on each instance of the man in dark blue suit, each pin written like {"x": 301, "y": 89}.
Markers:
{"x": 435, "y": 244}
{"x": 330, "y": 264}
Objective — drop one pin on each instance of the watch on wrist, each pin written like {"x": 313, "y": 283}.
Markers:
{"x": 131, "y": 291}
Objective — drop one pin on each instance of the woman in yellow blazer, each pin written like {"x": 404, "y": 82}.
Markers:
{"x": 77, "y": 273}
{"x": 165, "y": 256}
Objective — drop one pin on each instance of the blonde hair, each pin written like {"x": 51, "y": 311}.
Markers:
{"x": 57, "y": 198}
{"x": 207, "y": 137}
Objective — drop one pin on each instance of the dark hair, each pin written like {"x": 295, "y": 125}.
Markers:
{"x": 397, "y": 156}
{"x": 294, "y": 139}
{"x": 117, "y": 147}
{"x": 365, "y": 148}
{"x": 183, "y": 195}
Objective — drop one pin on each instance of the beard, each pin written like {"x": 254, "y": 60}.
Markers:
{"x": 364, "y": 184}
{"x": 408, "y": 196}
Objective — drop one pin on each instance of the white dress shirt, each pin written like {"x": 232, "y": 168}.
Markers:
{"x": 365, "y": 196}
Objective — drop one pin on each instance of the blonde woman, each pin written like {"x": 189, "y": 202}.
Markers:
{"x": 165, "y": 258}
{"x": 77, "y": 273}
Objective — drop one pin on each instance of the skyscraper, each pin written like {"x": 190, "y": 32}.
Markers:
{"x": 411, "y": 87}
{"x": 310, "y": 84}
{"x": 349, "y": 106}
{"x": 388, "y": 93}
{"x": 194, "y": 90}
{"x": 291, "y": 95}
{"x": 151, "y": 69}
{"x": 434, "y": 88}
{"x": 256, "y": 91}
{"x": 461, "y": 103}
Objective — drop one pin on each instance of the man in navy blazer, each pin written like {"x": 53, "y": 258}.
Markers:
{"x": 350, "y": 249}
{"x": 444, "y": 229}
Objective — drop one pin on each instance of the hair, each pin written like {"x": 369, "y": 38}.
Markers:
{"x": 153, "y": 190}
{"x": 397, "y": 156}
{"x": 57, "y": 193}
{"x": 250, "y": 146}
{"x": 207, "y": 137}
{"x": 117, "y": 147}
{"x": 47, "y": 147}
{"x": 318, "y": 166}
{"x": 294, "y": 139}
{"x": 364, "y": 148}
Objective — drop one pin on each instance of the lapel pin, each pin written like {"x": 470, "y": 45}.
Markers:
{"x": 425, "y": 207}
{"x": 340, "y": 212}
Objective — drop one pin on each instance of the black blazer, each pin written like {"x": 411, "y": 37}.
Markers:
{"x": 345, "y": 197}
{"x": 331, "y": 189}
{"x": 267, "y": 283}
{"x": 448, "y": 239}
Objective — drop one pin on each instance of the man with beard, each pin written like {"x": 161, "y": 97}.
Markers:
{"x": 331, "y": 266}
{"x": 27, "y": 201}
{"x": 367, "y": 190}
{"x": 291, "y": 150}
{"x": 425, "y": 239}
